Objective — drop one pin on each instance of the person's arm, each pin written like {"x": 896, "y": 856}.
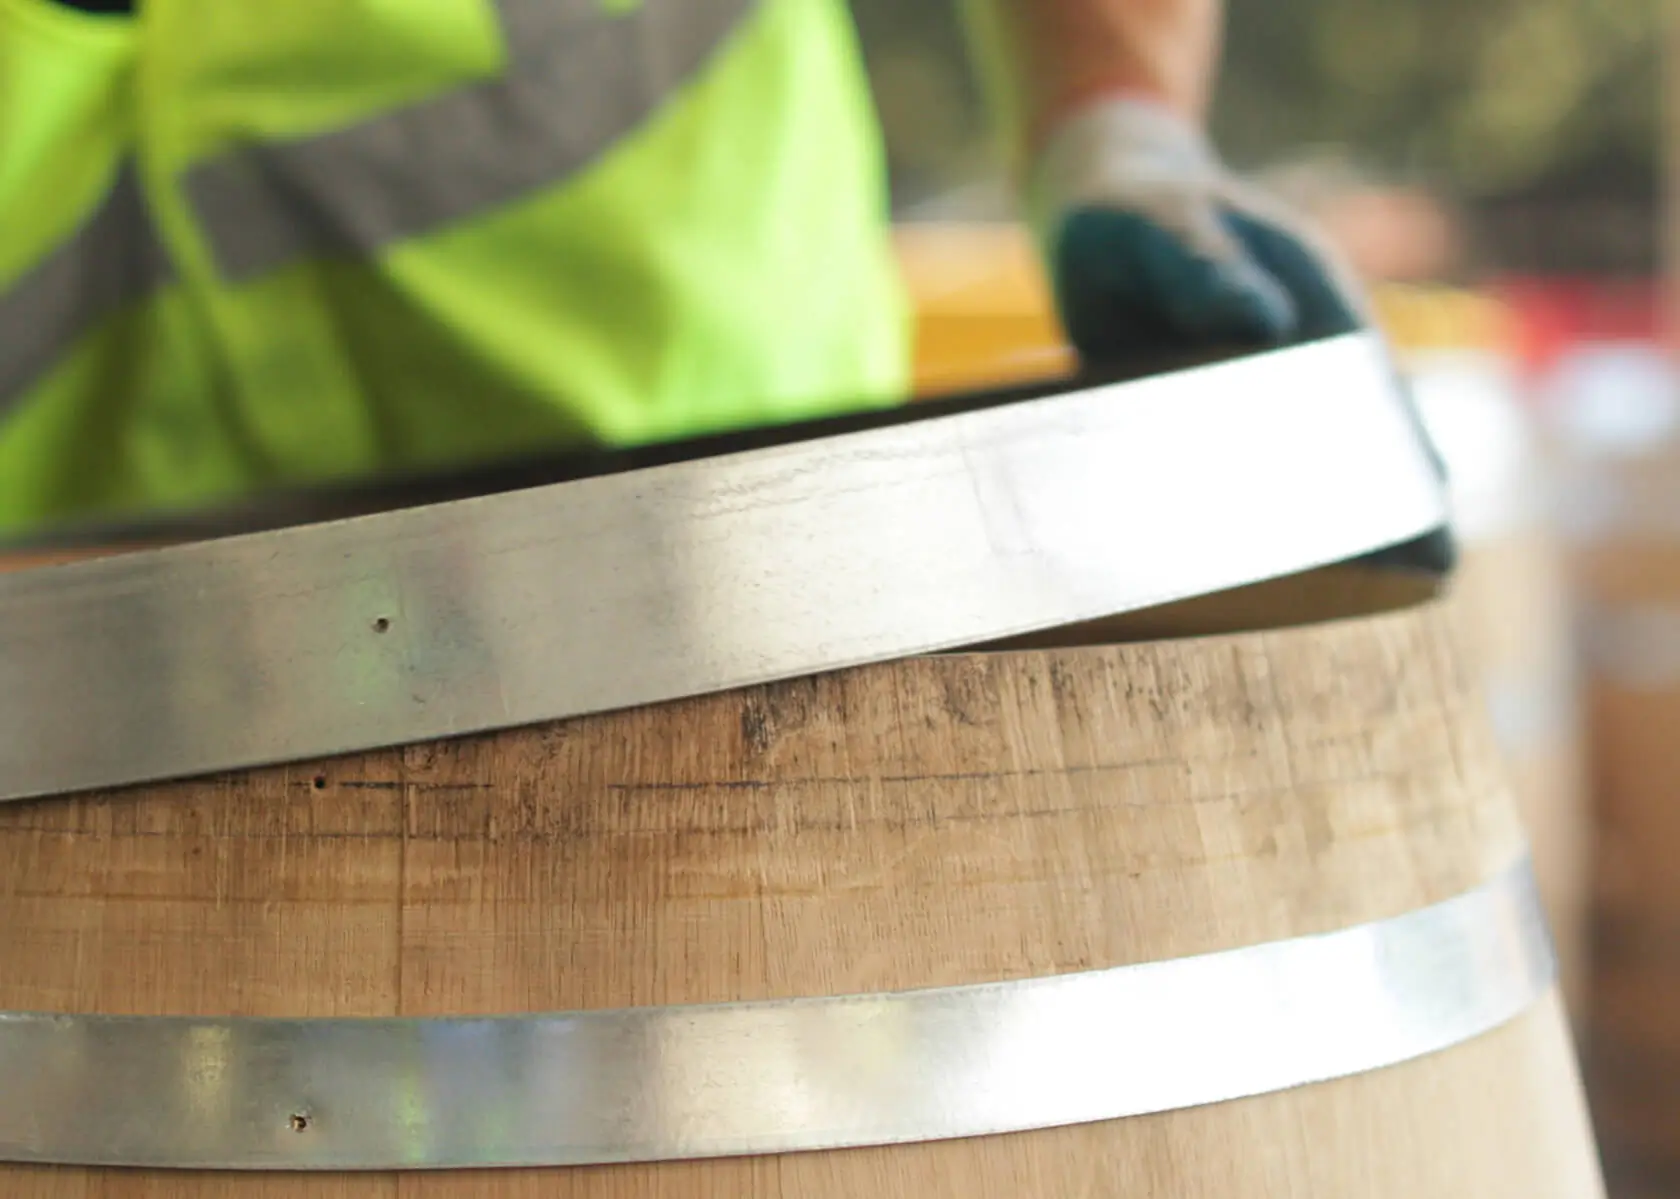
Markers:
{"x": 1150, "y": 241}
{"x": 1043, "y": 59}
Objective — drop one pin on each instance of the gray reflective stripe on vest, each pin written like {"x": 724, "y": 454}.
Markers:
{"x": 114, "y": 259}
{"x": 577, "y": 80}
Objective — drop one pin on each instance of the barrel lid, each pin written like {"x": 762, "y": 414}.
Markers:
{"x": 814, "y": 550}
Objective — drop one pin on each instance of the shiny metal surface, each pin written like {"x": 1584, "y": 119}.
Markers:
{"x": 650, "y": 1084}
{"x": 632, "y": 588}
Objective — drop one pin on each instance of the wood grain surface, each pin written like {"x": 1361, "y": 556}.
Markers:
{"x": 944, "y": 820}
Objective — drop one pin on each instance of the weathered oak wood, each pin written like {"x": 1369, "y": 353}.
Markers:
{"x": 944, "y": 820}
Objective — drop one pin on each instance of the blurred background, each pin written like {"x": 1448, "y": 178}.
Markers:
{"x": 1536, "y": 120}
{"x": 1497, "y": 173}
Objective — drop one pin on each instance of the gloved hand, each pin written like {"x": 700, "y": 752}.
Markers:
{"x": 1154, "y": 245}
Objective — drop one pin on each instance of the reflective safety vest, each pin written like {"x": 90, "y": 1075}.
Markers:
{"x": 244, "y": 244}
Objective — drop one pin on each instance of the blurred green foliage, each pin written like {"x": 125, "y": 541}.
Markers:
{"x": 1484, "y": 96}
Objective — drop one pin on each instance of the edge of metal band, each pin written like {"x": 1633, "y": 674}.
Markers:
{"x": 634, "y": 588}
{"x": 656, "y": 1084}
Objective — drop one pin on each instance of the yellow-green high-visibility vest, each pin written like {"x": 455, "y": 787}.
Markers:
{"x": 244, "y": 244}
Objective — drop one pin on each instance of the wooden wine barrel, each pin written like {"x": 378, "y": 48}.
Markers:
{"x": 938, "y": 822}
{"x": 673, "y": 893}
{"x": 985, "y": 317}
